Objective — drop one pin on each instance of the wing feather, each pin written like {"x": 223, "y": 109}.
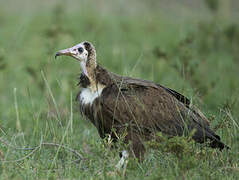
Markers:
{"x": 147, "y": 110}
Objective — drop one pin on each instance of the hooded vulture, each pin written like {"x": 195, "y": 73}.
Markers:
{"x": 134, "y": 109}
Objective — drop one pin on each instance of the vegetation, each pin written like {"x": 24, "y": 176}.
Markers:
{"x": 189, "y": 49}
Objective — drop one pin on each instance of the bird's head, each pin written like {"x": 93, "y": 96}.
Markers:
{"x": 84, "y": 52}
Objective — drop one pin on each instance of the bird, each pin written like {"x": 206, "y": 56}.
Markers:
{"x": 134, "y": 110}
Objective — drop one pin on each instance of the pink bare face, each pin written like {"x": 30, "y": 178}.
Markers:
{"x": 78, "y": 52}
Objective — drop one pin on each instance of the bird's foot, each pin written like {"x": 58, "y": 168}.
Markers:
{"x": 122, "y": 164}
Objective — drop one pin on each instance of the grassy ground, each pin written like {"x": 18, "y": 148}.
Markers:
{"x": 194, "y": 51}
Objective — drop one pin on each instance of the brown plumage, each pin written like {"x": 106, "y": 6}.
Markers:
{"x": 134, "y": 109}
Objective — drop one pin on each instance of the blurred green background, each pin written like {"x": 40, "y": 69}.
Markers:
{"x": 190, "y": 46}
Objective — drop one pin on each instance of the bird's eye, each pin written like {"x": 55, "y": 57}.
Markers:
{"x": 80, "y": 50}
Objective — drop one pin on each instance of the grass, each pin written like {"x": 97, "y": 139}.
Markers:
{"x": 193, "y": 54}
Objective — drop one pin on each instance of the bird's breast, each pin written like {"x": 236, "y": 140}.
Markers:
{"x": 88, "y": 96}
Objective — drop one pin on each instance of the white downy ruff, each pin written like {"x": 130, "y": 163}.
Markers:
{"x": 87, "y": 96}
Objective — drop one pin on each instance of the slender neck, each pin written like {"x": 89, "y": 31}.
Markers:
{"x": 83, "y": 67}
{"x": 88, "y": 69}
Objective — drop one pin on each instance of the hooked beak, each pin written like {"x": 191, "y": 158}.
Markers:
{"x": 66, "y": 52}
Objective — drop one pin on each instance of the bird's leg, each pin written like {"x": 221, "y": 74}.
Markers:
{"x": 123, "y": 160}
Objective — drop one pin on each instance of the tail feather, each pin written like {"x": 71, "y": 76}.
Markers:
{"x": 215, "y": 140}
{"x": 216, "y": 143}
